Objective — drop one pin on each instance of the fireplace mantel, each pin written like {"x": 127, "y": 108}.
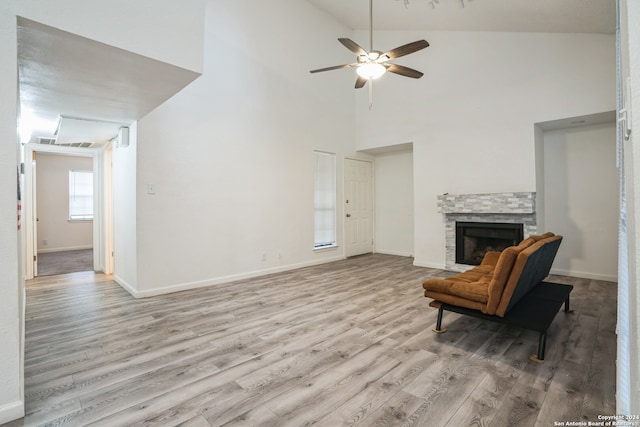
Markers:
{"x": 517, "y": 207}
{"x": 487, "y": 203}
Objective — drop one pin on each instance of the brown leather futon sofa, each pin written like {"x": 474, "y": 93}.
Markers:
{"x": 501, "y": 280}
{"x": 507, "y": 287}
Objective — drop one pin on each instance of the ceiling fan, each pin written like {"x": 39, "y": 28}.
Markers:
{"x": 373, "y": 64}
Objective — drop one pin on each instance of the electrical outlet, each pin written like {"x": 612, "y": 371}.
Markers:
{"x": 45, "y": 242}
{"x": 264, "y": 256}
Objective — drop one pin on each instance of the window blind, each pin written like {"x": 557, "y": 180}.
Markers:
{"x": 325, "y": 199}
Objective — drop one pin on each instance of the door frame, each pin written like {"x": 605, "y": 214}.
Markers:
{"x": 102, "y": 204}
{"x": 345, "y": 236}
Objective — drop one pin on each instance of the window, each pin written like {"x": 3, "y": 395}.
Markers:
{"x": 80, "y": 195}
{"x": 325, "y": 200}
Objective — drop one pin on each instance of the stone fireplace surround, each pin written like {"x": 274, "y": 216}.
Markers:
{"x": 515, "y": 208}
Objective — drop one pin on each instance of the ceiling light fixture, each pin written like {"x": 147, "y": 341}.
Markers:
{"x": 371, "y": 70}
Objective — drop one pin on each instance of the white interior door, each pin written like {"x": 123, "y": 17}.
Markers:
{"x": 358, "y": 207}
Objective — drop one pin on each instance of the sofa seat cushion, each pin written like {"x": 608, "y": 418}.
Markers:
{"x": 471, "y": 290}
{"x": 455, "y": 300}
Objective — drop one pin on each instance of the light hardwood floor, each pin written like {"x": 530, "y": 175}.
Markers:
{"x": 341, "y": 344}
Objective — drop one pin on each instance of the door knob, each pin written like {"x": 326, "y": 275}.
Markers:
{"x": 348, "y": 215}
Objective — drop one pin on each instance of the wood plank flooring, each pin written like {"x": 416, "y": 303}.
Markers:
{"x": 342, "y": 344}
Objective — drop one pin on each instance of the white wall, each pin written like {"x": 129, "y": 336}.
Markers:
{"x": 125, "y": 216}
{"x": 52, "y": 183}
{"x": 471, "y": 117}
{"x": 232, "y": 154}
{"x": 11, "y": 280}
{"x": 581, "y": 199}
{"x": 394, "y": 202}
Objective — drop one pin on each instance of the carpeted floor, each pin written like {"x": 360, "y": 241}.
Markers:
{"x": 52, "y": 263}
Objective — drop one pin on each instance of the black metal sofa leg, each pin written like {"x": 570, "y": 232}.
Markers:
{"x": 542, "y": 343}
{"x": 439, "y": 329}
{"x": 567, "y": 309}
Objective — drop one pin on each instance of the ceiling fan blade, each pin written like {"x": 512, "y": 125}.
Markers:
{"x": 407, "y": 49}
{"x": 403, "y": 71}
{"x": 360, "y": 82}
{"x": 352, "y": 46}
{"x": 335, "y": 67}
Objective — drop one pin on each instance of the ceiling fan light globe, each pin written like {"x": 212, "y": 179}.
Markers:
{"x": 371, "y": 70}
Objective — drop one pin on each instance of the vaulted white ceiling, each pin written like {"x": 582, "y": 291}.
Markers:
{"x": 65, "y": 75}
{"x": 551, "y": 16}
{"x": 62, "y": 74}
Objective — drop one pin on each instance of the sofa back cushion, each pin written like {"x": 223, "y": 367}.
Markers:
{"x": 530, "y": 268}
{"x": 503, "y": 269}
{"x": 501, "y": 273}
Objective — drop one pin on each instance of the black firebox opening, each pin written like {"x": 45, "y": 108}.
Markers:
{"x": 474, "y": 239}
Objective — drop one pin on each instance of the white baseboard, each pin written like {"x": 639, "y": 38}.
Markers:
{"x": 429, "y": 265}
{"x": 218, "y": 280}
{"x": 125, "y": 285}
{"x": 585, "y": 275}
{"x": 11, "y": 411}
{"x": 396, "y": 253}
{"x": 71, "y": 248}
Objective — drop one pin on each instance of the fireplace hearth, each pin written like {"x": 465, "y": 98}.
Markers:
{"x": 475, "y": 239}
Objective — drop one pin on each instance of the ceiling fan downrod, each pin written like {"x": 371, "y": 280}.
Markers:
{"x": 370, "y": 25}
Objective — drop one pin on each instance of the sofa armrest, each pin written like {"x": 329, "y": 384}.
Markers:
{"x": 490, "y": 258}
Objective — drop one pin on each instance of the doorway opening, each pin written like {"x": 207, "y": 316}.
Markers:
{"x": 64, "y": 213}
{"x": 81, "y": 243}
